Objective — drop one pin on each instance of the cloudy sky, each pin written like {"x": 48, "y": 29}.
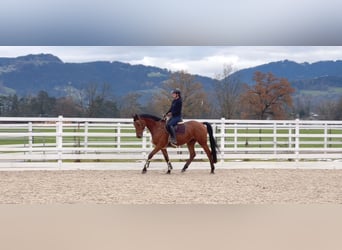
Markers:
{"x": 203, "y": 60}
{"x": 171, "y": 22}
{"x": 199, "y": 36}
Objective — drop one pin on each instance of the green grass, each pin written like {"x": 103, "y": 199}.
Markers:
{"x": 257, "y": 140}
{"x": 282, "y": 138}
{"x": 317, "y": 93}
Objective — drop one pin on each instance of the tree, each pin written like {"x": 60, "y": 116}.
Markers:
{"x": 108, "y": 109}
{"x": 67, "y": 107}
{"x": 14, "y": 111}
{"x": 3, "y": 105}
{"x": 130, "y": 105}
{"x": 10, "y": 105}
{"x": 330, "y": 109}
{"x": 25, "y": 108}
{"x": 42, "y": 104}
{"x": 227, "y": 93}
{"x": 195, "y": 102}
{"x": 99, "y": 103}
{"x": 269, "y": 98}
{"x": 339, "y": 109}
{"x": 303, "y": 106}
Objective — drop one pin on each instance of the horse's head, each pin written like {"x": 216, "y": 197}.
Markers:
{"x": 139, "y": 125}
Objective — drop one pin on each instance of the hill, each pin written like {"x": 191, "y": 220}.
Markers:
{"x": 321, "y": 79}
{"x": 293, "y": 71}
{"x": 30, "y": 74}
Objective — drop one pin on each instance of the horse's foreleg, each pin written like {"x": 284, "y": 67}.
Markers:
{"x": 191, "y": 148}
{"x": 166, "y": 157}
{"x": 147, "y": 164}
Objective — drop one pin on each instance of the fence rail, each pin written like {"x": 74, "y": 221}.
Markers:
{"x": 27, "y": 140}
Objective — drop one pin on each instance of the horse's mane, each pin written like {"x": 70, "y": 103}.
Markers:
{"x": 148, "y": 116}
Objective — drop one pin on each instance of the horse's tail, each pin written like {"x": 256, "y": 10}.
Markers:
{"x": 213, "y": 144}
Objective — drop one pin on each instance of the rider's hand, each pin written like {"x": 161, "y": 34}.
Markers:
{"x": 166, "y": 116}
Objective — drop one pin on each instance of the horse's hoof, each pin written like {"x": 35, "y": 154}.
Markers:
{"x": 183, "y": 170}
{"x": 212, "y": 172}
{"x": 168, "y": 172}
{"x": 144, "y": 171}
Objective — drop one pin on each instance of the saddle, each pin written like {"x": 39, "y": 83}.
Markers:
{"x": 180, "y": 127}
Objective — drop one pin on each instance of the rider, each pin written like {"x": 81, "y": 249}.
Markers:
{"x": 175, "y": 113}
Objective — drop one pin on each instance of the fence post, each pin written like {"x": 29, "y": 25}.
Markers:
{"x": 118, "y": 137}
{"x": 235, "y": 136}
{"x": 30, "y": 128}
{"x": 86, "y": 129}
{"x": 275, "y": 137}
{"x": 59, "y": 140}
{"x": 290, "y": 137}
{"x": 325, "y": 137}
{"x": 222, "y": 140}
{"x": 297, "y": 139}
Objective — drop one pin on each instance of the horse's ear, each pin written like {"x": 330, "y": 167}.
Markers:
{"x": 135, "y": 117}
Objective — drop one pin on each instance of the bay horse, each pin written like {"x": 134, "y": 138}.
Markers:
{"x": 194, "y": 132}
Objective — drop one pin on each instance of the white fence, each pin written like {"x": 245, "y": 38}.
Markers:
{"x": 65, "y": 140}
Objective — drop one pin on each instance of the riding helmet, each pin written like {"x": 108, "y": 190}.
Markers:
{"x": 176, "y": 91}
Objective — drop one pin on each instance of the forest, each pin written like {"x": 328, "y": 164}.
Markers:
{"x": 269, "y": 98}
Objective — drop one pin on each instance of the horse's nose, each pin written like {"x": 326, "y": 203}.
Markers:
{"x": 139, "y": 136}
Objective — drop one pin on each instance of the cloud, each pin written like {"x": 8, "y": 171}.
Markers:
{"x": 176, "y": 22}
{"x": 203, "y": 60}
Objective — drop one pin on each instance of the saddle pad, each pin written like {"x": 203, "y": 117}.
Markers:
{"x": 180, "y": 128}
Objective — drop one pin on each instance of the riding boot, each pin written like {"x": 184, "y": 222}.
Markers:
{"x": 172, "y": 132}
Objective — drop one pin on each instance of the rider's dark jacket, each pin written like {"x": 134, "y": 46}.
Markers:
{"x": 176, "y": 107}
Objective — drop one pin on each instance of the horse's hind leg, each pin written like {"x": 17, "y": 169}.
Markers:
{"x": 191, "y": 148}
{"x": 166, "y": 157}
{"x": 210, "y": 157}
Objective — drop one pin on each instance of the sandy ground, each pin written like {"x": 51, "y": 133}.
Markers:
{"x": 237, "y": 186}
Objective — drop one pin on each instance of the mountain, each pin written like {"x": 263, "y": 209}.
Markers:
{"x": 321, "y": 79}
{"x": 30, "y": 74}
{"x": 293, "y": 71}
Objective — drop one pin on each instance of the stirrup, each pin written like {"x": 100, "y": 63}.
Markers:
{"x": 173, "y": 142}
